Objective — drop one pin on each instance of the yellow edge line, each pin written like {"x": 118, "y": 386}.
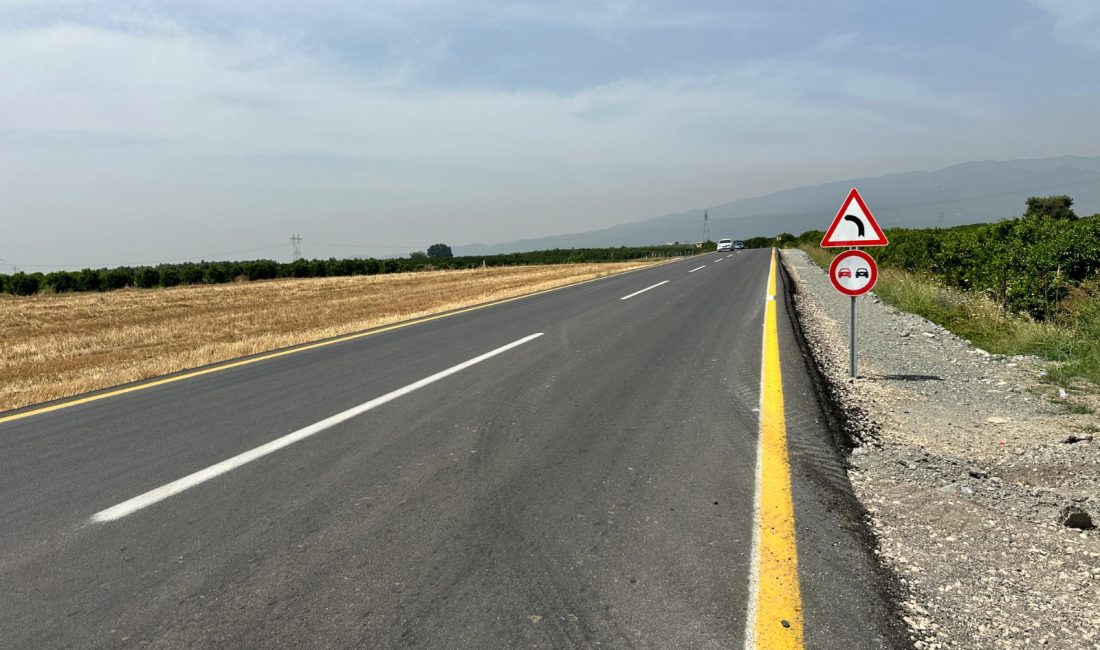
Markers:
{"x": 302, "y": 348}
{"x": 777, "y": 600}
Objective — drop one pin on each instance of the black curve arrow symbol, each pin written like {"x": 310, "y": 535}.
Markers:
{"x": 856, "y": 220}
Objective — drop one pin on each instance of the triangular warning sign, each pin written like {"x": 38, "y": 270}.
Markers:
{"x": 853, "y": 225}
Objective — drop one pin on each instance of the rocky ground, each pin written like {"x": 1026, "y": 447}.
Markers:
{"x": 981, "y": 481}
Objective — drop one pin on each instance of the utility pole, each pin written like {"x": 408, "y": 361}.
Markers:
{"x": 296, "y": 244}
{"x": 706, "y": 227}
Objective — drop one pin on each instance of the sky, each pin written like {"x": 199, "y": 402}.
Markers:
{"x": 146, "y": 132}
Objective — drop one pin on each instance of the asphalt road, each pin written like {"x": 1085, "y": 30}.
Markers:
{"x": 592, "y": 486}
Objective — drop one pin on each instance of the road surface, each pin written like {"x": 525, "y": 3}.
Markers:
{"x": 573, "y": 469}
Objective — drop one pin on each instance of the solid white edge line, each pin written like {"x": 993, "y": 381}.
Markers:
{"x": 644, "y": 290}
{"x": 754, "y": 554}
{"x": 697, "y": 268}
{"x": 191, "y": 480}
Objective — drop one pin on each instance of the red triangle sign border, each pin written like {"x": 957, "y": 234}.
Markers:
{"x": 879, "y": 238}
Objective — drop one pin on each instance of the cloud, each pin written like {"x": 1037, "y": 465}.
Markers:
{"x": 617, "y": 15}
{"x": 253, "y": 93}
{"x": 250, "y": 93}
{"x": 838, "y": 42}
{"x": 1076, "y": 22}
{"x": 238, "y": 126}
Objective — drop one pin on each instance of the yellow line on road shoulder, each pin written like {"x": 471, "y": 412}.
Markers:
{"x": 775, "y": 600}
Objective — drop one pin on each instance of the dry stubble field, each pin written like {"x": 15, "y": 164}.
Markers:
{"x": 56, "y": 346}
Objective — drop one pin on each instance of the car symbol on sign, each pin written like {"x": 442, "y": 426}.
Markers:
{"x": 844, "y": 273}
{"x": 863, "y": 273}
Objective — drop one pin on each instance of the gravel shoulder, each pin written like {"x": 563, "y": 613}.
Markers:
{"x": 968, "y": 465}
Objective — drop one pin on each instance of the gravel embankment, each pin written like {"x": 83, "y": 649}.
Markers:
{"x": 966, "y": 463}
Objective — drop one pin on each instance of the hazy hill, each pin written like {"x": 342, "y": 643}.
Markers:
{"x": 968, "y": 193}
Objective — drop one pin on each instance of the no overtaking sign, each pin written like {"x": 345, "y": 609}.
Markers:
{"x": 853, "y": 273}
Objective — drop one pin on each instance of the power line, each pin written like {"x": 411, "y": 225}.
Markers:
{"x": 210, "y": 257}
{"x": 365, "y": 246}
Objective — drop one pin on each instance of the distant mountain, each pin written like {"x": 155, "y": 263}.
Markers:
{"x": 967, "y": 193}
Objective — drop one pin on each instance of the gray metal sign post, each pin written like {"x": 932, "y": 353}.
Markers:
{"x": 853, "y": 273}
{"x": 852, "y": 341}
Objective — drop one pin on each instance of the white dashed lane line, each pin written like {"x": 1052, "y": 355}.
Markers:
{"x": 644, "y": 290}
{"x": 191, "y": 480}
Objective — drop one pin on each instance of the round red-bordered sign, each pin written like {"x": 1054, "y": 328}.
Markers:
{"x": 853, "y": 273}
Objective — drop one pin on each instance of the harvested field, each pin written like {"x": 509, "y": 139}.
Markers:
{"x": 61, "y": 345}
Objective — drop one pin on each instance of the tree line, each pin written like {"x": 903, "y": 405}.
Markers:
{"x": 438, "y": 257}
{"x": 1028, "y": 264}
{"x": 1031, "y": 263}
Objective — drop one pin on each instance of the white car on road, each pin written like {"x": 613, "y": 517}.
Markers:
{"x": 725, "y": 245}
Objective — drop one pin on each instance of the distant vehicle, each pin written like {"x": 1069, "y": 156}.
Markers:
{"x": 725, "y": 245}
{"x": 863, "y": 273}
{"x": 844, "y": 273}
{"x": 738, "y": 245}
